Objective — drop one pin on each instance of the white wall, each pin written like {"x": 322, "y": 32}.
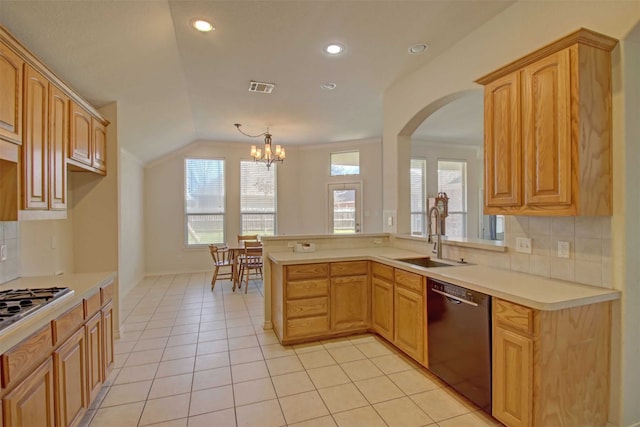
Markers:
{"x": 434, "y": 151}
{"x": 518, "y": 30}
{"x": 131, "y": 242}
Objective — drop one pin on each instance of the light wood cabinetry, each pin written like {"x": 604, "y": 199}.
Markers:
{"x": 306, "y": 300}
{"x": 70, "y": 368}
{"x": 548, "y": 130}
{"x": 349, "y": 296}
{"x": 94, "y": 335}
{"x": 10, "y": 95}
{"x": 543, "y": 358}
{"x": 382, "y": 300}
{"x": 46, "y": 118}
{"x": 87, "y": 141}
{"x": 35, "y": 147}
{"x": 63, "y": 364}
{"x": 31, "y": 403}
{"x": 58, "y": 143}
{"x": 409, "y": 314}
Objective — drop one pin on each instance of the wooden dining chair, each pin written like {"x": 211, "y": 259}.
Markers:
{"x": 250, "y": 262}
{"x": 222, "y": 262}
{"x": 247, "y": 238}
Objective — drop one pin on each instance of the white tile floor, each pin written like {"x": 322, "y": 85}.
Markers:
{"x": 192, "y": 357}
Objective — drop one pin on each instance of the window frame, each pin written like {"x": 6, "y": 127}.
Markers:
{"x": 273, "y": 168}
{"x": 331, "y": 174}
{"x": 186, "y": 215}
{"x": 465, "y": 202}
{"x": 425, "y": 198}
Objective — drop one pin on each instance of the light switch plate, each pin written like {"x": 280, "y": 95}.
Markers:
{"x": 3, "y": 252}
{"x": 564, "y": 249}
{"x": 523, "y": 245}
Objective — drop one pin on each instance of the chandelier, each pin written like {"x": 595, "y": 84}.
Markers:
{"x": 266, "y": 155}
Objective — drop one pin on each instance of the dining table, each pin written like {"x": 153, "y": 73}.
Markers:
{"x": 235, "y": 251}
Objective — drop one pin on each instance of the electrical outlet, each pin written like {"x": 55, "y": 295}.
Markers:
{"x": 3, "y": 252}
{"x": 291, "y": 244}
{"x": 523, "y": 245}
{"x": 377, "y": 241}
{"x": 564, "y": 249}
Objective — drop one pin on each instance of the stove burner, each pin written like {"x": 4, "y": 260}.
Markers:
{"x": 15, "y": 304}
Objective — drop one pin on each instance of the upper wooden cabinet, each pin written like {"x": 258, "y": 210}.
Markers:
{"x": 548, "y": 130}
{"x": 46, "y": 130}
{"x": 10, "y": 95}
{"x": 87, "y": 141}
{"x": 99, "y": 153}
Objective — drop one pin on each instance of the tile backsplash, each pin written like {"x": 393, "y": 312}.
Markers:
{"x": 9, "y": 237}
{"x": 589, "y": 240}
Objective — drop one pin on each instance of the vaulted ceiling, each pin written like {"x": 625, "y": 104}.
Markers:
{"x": 174, "y": 85}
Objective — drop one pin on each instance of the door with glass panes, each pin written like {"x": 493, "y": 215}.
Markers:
{"x": 345, "y": 208}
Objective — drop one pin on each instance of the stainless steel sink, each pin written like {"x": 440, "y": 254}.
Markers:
{"x": 425, "y": 262}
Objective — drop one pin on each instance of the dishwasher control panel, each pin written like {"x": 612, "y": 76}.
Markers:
{"x": 455, "y": 291}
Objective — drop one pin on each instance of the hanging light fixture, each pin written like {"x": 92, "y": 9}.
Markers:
{"x": 266, "y": 155}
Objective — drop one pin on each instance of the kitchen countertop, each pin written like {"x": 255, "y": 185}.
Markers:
{"x": 82, "y": 284}
{"x": 541, "y": 293}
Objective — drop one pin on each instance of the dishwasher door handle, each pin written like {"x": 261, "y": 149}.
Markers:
{"x": 454, "y": 297}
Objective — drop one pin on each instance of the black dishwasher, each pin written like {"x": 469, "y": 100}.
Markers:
{"x": 459, "y": 338}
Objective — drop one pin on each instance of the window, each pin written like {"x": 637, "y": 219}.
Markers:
{"x": 204, "y": 201}
{"x": 347, "y": 163}
{"x": 257, "y": 198}
{"x": 418, "y": 189}
{"x": 452, "y": 179}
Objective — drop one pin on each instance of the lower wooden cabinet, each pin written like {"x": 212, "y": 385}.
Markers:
{"x": 349, "y": 303}
{"x": 107, "y": 342}
{"x": 94, "y": 335}
{"x": 31, "y": 402}
{"x": 70, "y": 368}
{"x": 409, "y": 325}
{"x": 382, "y": 307}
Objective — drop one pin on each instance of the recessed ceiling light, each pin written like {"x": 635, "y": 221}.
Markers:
{"x": 202, "y": 25}
{"x": 419, "y": 48}
{"x": 334, "y": 49}
{"x": 328, "y": 86}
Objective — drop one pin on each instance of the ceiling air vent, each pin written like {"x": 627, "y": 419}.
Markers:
{"x": 261, "y": 87}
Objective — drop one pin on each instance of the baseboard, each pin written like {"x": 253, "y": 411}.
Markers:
{"x": 267, "y": 325}
{"x": 164, "y": 273}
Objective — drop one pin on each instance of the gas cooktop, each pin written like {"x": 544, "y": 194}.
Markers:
{"x": 16, "y": 304}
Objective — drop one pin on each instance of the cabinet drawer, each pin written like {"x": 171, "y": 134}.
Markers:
{"x": 67, "y": 323}
{"x": 106, "y": 293}
{"x": 92, "y": 305}
{"x": 21, "y": 358}
{"x": 307, "y": 307}
{"x": 382, "y": 270}
{"x": 349, "y": 268}
{"x": 306, "y": 271}
{"x": 307, "y": 326}
{"x": 307, "y": 288}
{"x": 409, "y": 280}
{"x": 513, "y": 316}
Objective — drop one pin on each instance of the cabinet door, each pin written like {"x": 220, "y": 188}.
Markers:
{"x": 546, "y": 101}
{"x": 93, "y": 330}
{"x": 349, "y": 303}
{"x": 409, "y": 313}
{"x": 99, "y": 155}
{"x": 80, "y": 135}
{"x": 35, "y": 147}
{"x": 31, "y": 402}
{"x": 70, "y": 365}
{"x": 502, "y": 142}
{"x": 10, "y": 95}
{"x": 512, "y": 378}
{"x": 107, "y": 325}
{"x": 58, "y": 142}
{"x": 382, "y": 307}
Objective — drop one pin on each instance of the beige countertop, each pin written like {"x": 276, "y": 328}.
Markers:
{"x": 537, "y": 292}
{"x": 82, "y": 285}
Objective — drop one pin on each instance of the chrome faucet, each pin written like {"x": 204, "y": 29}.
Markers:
{"x": 437, "y": 247}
